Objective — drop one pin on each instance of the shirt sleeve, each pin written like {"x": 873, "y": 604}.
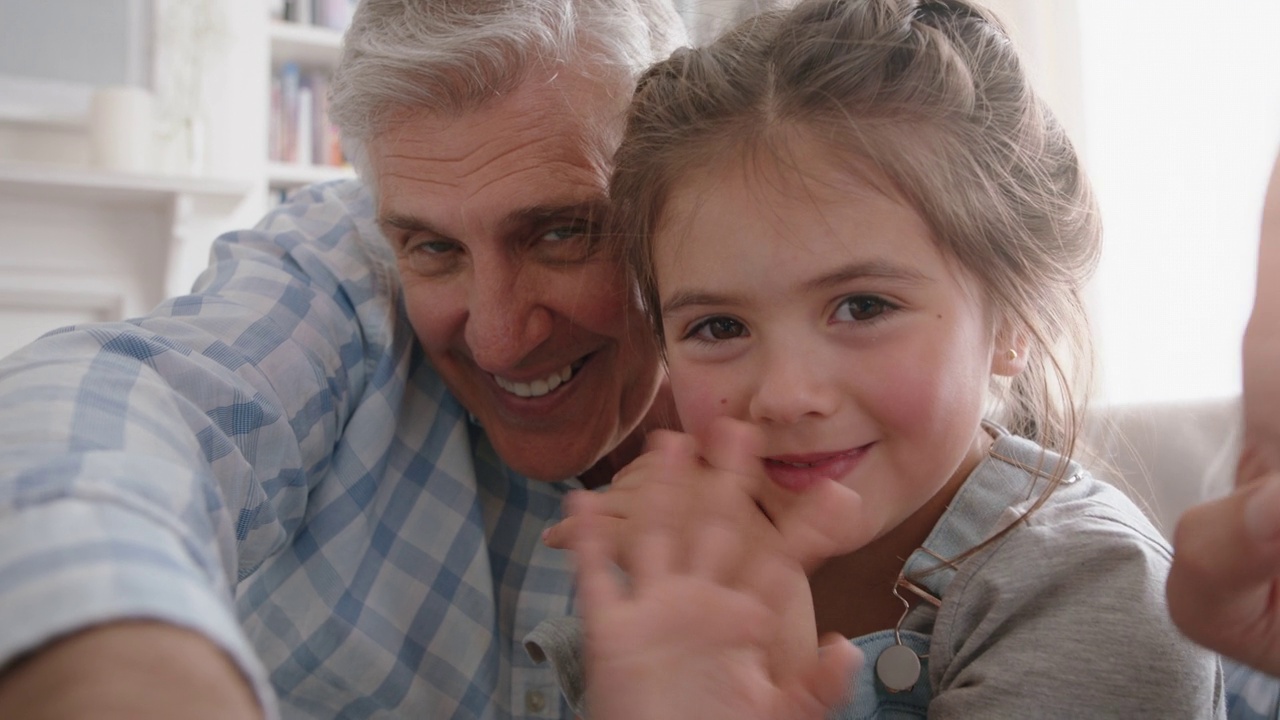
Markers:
{"x": 1068, "y": 620}
{"x": 561, "y": 641}
{"x": 147, "y": 466}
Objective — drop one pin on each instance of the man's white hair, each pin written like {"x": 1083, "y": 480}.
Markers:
{"x": 451, "y": 56}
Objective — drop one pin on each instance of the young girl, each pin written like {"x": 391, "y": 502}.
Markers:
{"x": 857, "y": 229}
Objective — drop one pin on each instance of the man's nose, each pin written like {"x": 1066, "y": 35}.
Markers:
{"x": 507, "y": 316}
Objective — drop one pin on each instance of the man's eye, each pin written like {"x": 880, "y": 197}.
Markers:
{"x": 718, "y": 328}
{"x": 566, "y": 244}
{"x": 435, "y": 247}
{"x": 561, "y": 234}
{"x": 861, "y": 308}
{"x": 432, "y": 257}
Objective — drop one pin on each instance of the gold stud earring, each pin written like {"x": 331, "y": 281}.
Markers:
{"x": 1013, "y": 354}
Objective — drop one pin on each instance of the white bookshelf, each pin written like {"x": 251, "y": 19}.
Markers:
{"x": 79, "y": 242}
{"x": 305, "y": 44}
{"x": 286, "y": 176}
{"x": 89, "y": 184}
{"x": 312, "y": 48}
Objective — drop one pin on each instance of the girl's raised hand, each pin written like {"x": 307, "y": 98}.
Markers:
{"x": 680, "y": 488}
{"x": 691, "y": 634}
{"x": 724, "y": 473}
{"x": 671, "y": 492}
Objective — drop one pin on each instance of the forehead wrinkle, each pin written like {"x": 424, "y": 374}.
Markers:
{"x": 416, "y": 179}
{"x": 558, "y": 159}
{"x": 583, "y": 183}
{"x": 481, "y": 155}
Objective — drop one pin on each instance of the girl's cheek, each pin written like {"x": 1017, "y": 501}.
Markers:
{"x": 700, "y": 399}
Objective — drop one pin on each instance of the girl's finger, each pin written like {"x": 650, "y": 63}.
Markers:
{"x": 735, "y": 447}
{"x": 561, "y": 536}
{"x": 661, "y": 447}
{"x": 716, "y": 553}
{"x": 672, "y": 441}
{"x": 613, "y": 507}
{"x": 825, "y": 521}
{"x": 598, "y": 588}
{"x": 826, "y": 681}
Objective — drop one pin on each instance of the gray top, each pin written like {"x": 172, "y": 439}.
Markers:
{"x": 1062, "y": 617}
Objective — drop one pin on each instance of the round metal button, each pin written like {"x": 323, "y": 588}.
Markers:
{"x": 535, "y": 701}
{"x": 898, "y": 668}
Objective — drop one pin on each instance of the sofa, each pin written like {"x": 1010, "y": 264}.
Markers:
{"x": 1167, "y": 456}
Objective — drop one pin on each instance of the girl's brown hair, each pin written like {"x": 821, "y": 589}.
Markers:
{"x": 933, "y": 97}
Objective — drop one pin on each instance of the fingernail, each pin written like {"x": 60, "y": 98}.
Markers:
{"x": 1262, "y": 512}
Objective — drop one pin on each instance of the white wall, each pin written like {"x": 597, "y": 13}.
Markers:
{"x": 1181, "y": 104}
{"x": 82, "y": 242}
{"x": 95, "y": 42}
{"x": 1175, "y": 108}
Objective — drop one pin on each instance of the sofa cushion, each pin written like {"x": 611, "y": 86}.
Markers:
{"x": 1167, "y": 456}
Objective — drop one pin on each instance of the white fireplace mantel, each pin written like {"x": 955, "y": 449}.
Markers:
{"x": 80, "y": 244}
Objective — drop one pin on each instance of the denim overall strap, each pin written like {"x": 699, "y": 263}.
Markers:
{"x": 1014, "y": 474}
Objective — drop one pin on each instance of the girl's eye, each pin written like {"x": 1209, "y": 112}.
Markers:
{"x": 718, "y": 328}
{"x": 861, "y": 308}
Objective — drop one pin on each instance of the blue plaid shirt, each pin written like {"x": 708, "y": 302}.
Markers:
{"x": 271, "y": 461}
{"x": 1251, "y": 695}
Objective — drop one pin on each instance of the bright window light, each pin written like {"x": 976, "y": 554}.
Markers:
{"x": 1181, "y": 122}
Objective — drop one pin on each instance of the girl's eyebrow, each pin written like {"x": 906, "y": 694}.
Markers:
{"x": 878, "y": 269}
{"x": 682, "y": 300}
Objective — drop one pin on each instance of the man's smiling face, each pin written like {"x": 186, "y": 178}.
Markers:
{"x": 491, "y": 215}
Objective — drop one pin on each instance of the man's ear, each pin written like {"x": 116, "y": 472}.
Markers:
{"x": 1009, "y": 354}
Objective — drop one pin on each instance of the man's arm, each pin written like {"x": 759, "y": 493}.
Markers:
{"x": 1261, "y": 351}
{"x": 125, "y": 671}
{"x": 146, "y": 466}
{"x": 1224, "y": 588}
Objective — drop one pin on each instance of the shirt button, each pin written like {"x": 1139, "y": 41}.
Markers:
{"x": 535, "y": 701}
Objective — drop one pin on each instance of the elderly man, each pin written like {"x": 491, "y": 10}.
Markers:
{"x": 315, "y": 486}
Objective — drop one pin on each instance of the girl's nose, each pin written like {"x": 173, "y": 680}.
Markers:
{"x": 792, "y": 385}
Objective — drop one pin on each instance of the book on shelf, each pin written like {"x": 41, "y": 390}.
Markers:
{"x": 301, "y": 132}
{"x": 332, "y": 14}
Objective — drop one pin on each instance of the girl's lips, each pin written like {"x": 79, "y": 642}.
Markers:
{"x": 798, "y": 473}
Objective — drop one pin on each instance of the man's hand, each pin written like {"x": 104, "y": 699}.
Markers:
{"x": 128, "y": 671}
{"x": 692, "y": 634}
{"x": 1224, "y": 588}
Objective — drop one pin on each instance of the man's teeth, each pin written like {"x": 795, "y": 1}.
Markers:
{"x": 537, "y": 388}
